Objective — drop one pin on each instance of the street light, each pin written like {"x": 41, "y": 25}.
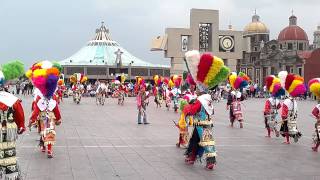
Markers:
{"x": 130, "y": 70}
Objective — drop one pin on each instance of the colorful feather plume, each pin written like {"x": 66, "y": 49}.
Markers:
{"x": 314, "y": 87}
{"x": 121, "y": 78}
{"x": 238, "y": 81}
{"x": 44, "y": 76}
{"x": 78, "y": 78}
{"x": 175, "y": 81}
{"x": 294, "y": 85}
{"x": 156, "y": 79}
{"x": 282, "y": 76}
{"x": 11, "y": 70}
{"x": 274, "y": 86}
{"x": 206, "y": 70}
{"x": 60, "y": 82}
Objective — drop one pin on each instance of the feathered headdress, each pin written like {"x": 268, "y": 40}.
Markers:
{"x": 293, "y": 84}
{"x": 206, "y": 70}
{"x": 314, "y": 87}
{"x": 156, "y": 79}
{"x": 44, "y": 76}
{"x": 175, "y": 81}
{"x": 140, "y": 81}
{"x": 274, "y": 86}
{"x": 60, "y": 82}
{"x": 238, "y": 82}
{"x": 121, "y": 78}
{"x": 78, "y": 78}
{"x": 11, "y": 70}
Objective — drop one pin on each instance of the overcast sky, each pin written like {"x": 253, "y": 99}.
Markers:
{"x": 33, "y": 30}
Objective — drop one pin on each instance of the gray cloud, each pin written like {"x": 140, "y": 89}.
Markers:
{"x": 34, "y": 29}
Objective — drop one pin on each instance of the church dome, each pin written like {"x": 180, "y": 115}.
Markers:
{"x": 293, "y": 31}
{"x": 256, "y": 27}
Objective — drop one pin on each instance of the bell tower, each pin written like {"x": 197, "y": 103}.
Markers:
{"x": 316, "y": 38}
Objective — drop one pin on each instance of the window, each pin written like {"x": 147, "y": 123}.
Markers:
{"x": 273, "y": 71}
{"x": 96, "y": 71}
{"x": 280, "y": 46}
{"x": 156, "y": 72}
{"x": 205, "y": 36}
{"x": 300, "y": 46}
{"x": 255, "y": 49}
{"x": 300, "y": 71}
{"x": 258, "y": 76}
{"x": 72, "y": 70}
{"x": 291, "y": 69}
{"x": 244, "y": 70}
{"x": 139, "y": 72}
{"x": 290, "y": 46}
{"x": 167, "y": 72}
{"x": 253, "y": 59}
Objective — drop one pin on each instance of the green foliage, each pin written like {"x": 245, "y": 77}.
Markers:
{"x": 13, "y": 69}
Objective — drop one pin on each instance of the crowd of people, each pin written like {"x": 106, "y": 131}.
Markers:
{"x": 192, "y": 95}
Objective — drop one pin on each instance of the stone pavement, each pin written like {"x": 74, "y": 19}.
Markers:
{"x": 105, "y": 142}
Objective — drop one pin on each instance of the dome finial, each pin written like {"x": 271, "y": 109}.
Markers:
{"x": 255, "y": 17}
{"x": 292, "y": 19}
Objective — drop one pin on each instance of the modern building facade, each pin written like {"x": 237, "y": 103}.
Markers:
{"x": 104, "y": 58}
{"x": 204, "y": 34}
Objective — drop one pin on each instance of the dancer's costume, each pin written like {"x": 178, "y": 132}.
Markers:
{"x": 314, "y": 86}
{"x": 237, "y": 82}
{"x": 207, "y": 71}
{"x": 175, "y": 90}
{"x": 142, "y": 100}
{"x": 101, "y": 93}
{"x": 272, "y": 104}
{"x": 11, "y": 123}
{"x": 59, "y": 90}
{"x": 294, "y": 86}
{"x": 234, "y": 105}
{"x": 46, "y": 113}
{"x": 122, "y": 89}
{"x": 77, "y": 79}
{"x": 184, "y": 121}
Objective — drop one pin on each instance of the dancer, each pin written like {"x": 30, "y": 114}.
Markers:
{"x": 45, "y": 77}
{"x": 208, "y": 71}
{"x": 101, "y": 92}
{"x": 121, "y": 90}
{"x": 294, "y": 86}
{"x": 272, "y": 104}
{"x": 142, "y": 100}
{"x": 77, "y": 79}
{"x": 314, "y": 86}
{"x": 176, "y": 92}
{"x": 11, "y": 122}
{"x": 235, "y": 97}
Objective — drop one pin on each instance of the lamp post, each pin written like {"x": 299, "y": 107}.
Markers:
{"x": 129, "y": 70}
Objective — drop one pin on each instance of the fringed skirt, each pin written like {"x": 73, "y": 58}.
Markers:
{"x": 9, "y": 169}
{"x": 202, "y": 144}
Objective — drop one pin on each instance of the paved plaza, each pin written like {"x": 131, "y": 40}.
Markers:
{"x": 105, "y": 142}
